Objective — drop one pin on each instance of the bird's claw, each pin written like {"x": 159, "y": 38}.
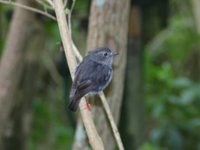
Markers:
{"x": 88, "y": 106}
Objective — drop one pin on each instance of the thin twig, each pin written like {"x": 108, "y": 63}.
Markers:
{"x": 76, "y": 52}
{"x": 65, "y": 3}
{"x": 94, "y": 139}
{"x": 75, "y": 49}
{"x": 41, "y": 2}
{"x": 112, "y": 122}
{"x": 69, "y": 16}
{"x": 28, "y": 8}
{"x": 50, "y": 3}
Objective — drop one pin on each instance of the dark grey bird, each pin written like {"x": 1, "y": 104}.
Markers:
{"x": 92, "y": 75}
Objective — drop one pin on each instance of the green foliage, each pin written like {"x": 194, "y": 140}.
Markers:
{"x": 176, "y": 40}
{"x": 53, "y": 32}
{"x": 5, "y": 16}
{"x": 49, "y": 130}
{"x": 173, "y": 98}
{"x": 148, "y": 146}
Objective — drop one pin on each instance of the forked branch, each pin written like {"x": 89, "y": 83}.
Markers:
{"x": 94, "y": 139}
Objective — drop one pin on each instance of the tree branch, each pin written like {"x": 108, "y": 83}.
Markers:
{"x": 11, "y": 66}
{"x": 28, "y": 8}
{"x": 94, "y": 139}
{"x": 70, "y": 14}
{"x": 111, "y": 121}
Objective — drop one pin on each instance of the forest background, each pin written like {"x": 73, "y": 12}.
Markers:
{"x": 159, "y": 92}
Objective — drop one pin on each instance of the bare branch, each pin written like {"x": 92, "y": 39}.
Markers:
{"x": 76, "y": 52}
{"x": 50, "y": 3}
{"x": 65, "y": 3}
{"x": 28, "y": 8}
{"x": 70, "y": 14}
{"x": 111, "y": 121}
{"x": 45, "y": 5}
{"x": 94, "y": 139}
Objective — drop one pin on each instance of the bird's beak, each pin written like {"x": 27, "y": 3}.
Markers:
{"x": 114, "y": 53}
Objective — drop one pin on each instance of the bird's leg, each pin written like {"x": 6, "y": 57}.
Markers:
{"x": 88, "y": 106}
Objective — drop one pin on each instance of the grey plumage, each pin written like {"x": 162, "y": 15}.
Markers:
{"x": 92, "y": 75}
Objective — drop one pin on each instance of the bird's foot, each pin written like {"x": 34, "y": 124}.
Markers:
{"x": 88, "y": 106}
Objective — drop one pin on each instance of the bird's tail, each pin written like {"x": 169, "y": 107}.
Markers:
{"x": 73, "y": 105}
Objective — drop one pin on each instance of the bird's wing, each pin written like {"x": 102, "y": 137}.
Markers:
{"x": 88, "y": 76}
{"x": 76, "y": 81}
{"x": 84, "y": 85}
{"x": 72, "y": 92}
{"x": 83, "y": 88}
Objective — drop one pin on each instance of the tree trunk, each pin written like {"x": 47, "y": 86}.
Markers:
{"x": 21, "y": 116}
{"x": 108, "y": 27}
{"x": 12, "y": 60}
{"x": 133, "y": 122}
{"x": 194, "y": 62}
{"x": 196, "y": 12}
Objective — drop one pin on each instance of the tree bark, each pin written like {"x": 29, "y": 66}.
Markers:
{"x": 194, "y": 62}
{"x": 12, "y": 59}
{"x": 108, "y": 27}
{"x": 196, "y": 12}
{"x": 133, "y": 122}
{"x": 21, "y": 116}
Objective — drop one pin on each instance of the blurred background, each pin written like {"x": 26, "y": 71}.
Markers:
{"x": 159, "y": 106}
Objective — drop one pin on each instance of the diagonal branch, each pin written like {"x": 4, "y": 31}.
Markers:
{"x": 111, "y": 121}
{"x": 94, "y": 139}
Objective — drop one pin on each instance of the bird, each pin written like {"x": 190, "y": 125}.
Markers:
{"x": 92, "y": 75}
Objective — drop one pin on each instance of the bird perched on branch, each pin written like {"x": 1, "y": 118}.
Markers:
{"x": 92, "y": 75}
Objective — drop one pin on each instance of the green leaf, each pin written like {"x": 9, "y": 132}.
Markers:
{"x": 66, "y": 11}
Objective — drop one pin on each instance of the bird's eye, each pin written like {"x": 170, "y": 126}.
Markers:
{"x": 105, "y": 54}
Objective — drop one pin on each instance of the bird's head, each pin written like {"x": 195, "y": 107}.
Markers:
{"x": 103, "y": 55}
